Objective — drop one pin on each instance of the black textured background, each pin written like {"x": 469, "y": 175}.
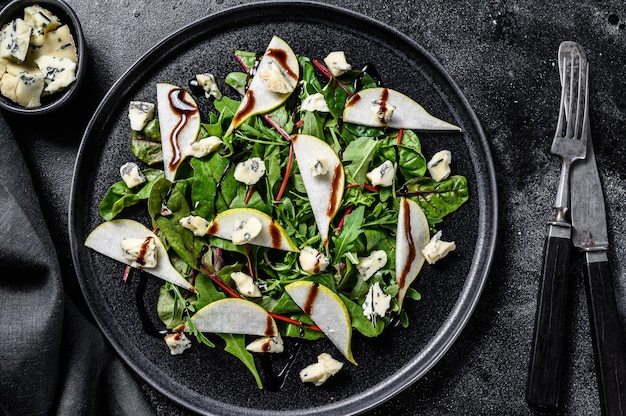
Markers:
{"x": 502, "y": 54}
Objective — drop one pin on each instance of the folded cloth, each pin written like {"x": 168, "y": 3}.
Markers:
{"x": 52, "y": 359}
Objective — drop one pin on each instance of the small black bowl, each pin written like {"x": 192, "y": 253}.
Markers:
{"x": 66, "y": 15}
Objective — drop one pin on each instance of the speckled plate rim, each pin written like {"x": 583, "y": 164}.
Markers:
{"x": 466, "y": 302}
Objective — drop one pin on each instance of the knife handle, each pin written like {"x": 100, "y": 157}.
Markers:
{"x": 544, "y": 375}
{"x": 608, "y": 341}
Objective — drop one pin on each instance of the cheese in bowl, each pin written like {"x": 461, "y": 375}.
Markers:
{"x": 39, "y": 58}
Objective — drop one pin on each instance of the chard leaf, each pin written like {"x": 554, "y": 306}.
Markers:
{"x": 247, "y": 58}
{"x": 169, "y": 308}
{"x": 336, "y": 97}
{"x": 411, "y": 163}
{"x": 438, "y": 199}
{"x": 146, "y": 144}
{"x": 360, "y": 153}
{"x": 120, "y": 196}
{"x": 238, "y": 81}
{"x": 213, "y": 185}
{"x": 186, "y": 245}
{"x": 148, "y": 152}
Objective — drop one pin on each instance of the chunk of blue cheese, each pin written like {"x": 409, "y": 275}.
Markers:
{"x": 439, "y": 165}
{"x": 337, "y": 63}
{"x": 140, "y": 113}
{"x": 22, "y": 85}
{"x": 59, "y": 43}
{"x": 196, "y": 224}
{"x": 246, "y": 231}
{"x": 369, "y": 265}
{"x": 250, "y": 171}
{"x": 132, "y": 175}
{"x": 312, "y": 261}
{"x": 245, "y": 285}
{"x": 177, "y": 343}
{"x": 437, "y": 249}
{"x": 276, "y": 81}
{"x": 41, "y": 20}
{"x": 209, "y": 85}
{"x": 377, "y": 302}
{"x": 14, "y": 40}
{"x": 319, "y": 372}
{"x": 58, "y": 73}
{"x": 140, "y": 252}
{"x": 382, "y": 175}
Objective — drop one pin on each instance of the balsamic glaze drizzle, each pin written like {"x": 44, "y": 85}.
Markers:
{"x": 272, "y": 380}
{"x": 146, "y": 322}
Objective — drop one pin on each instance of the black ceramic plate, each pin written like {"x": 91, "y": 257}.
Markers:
{"x": 210, "y": 380}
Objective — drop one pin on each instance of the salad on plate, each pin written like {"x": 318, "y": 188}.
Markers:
{"x": 302, "y": 208}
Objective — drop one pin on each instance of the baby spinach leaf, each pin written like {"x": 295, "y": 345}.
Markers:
{"x": 359, "y": 153}
{"x": 359, "y": 321}
{"x": 120, "y": 196}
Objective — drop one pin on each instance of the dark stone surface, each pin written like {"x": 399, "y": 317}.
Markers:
{"x": 502, "y": 54}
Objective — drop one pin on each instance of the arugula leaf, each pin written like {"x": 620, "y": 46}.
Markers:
{"x": 350, "y": 231}
{"x": 236, "y": 345}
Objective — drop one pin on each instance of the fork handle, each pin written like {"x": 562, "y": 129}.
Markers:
{"x": 544, "y": 375}
{"x": 608, "y": 341}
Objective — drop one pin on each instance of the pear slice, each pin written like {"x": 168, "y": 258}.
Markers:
{"x": 235, "y": 316}
{"x": 404, "y": 112}
{"x": 179, "y": 123}
{"x": 272, "y": 235}
{"x": 328, "y": 312}
{"x": 325, "y": 190}
{"x": 106, "y": 238}
{"x": 258, "y": 99}
{"x": 412, "y": 236}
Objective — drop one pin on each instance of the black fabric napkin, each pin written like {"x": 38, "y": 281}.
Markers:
{"x": 52, "y": 359}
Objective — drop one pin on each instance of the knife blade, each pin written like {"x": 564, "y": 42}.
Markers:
{"x": 590, "y": 236}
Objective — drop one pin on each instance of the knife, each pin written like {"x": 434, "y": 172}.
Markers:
{"x": 590, "y": 236}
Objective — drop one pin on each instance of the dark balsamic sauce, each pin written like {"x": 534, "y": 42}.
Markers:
{"x": 368, "y": 69}
{"x": 394, "y": 320}
{"x": 272, "y": 380}
{"x": 400, "y": 176}
{"x": 218, "y": 186}
{"x": 195, "y": 88}
{"x": 147, "y": 324}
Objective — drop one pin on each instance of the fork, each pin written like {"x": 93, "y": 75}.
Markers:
{"x": 569, "y": 144}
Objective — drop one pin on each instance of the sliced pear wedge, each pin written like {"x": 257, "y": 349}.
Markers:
{"x": 235, "y": 316}
{"x": 325, "y": 190}
{"x": 179, "y": 123}
{"x": 412, "y": 236}
{"x": 258, "y": 98}
{"x": 402, "y": 112}
{"x": 272, "y": 235}
{"x": 328, "y": 312}
{"x": 106, "y": 239}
